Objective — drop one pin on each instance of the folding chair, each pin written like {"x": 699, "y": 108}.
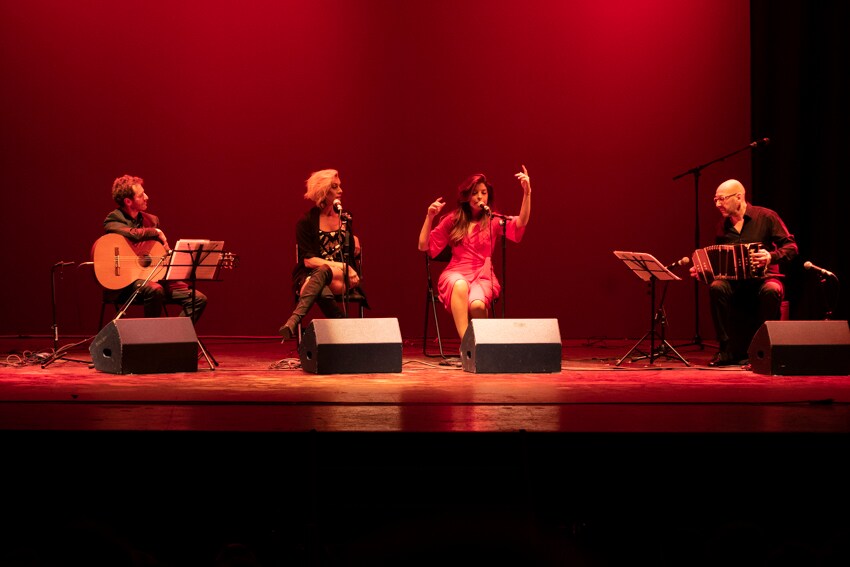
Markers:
{"x": 432, "y": 299}
{"x": 349, "y": 298}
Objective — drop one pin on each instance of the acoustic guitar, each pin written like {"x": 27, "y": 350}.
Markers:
{"x": 119, "y": 262}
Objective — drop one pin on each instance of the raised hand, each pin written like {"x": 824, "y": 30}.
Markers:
{"x": 435, "y": 207}
{"x": 524, "y": 180}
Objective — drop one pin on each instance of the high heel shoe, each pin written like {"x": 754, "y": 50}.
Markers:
{"x": 288, "y": 329}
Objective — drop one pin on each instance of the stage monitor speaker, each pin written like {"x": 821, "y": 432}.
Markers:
{"x": 511, "y": 346}
{"x": 813, "y": 348}
{"x": 146, "y": 346}
{"x": 351, "y": 346}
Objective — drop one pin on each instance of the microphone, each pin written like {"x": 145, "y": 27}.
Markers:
{"x": 60, "y": 264}
{"x": 337, "y": 204}
{"x": 762, "y": 142}
{"x": 683, "y": 261}
{"x": 487, "y": 210}
{"x": 810, "y": 266}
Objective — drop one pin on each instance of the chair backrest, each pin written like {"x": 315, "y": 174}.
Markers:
{"x": 445, "y": 255}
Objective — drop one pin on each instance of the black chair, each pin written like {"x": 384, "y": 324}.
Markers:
{"x": 431, "y": 301}
{"x": 108, "y": 297}
{"x": 352, "y": 297}
{"x": 107, "y": 300}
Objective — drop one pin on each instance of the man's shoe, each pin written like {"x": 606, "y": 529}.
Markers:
{"x": 723, "y": 359}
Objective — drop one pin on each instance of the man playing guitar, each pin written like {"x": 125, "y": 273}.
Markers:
{"x": 122, "y": 264}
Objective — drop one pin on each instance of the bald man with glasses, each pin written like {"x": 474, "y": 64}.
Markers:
{"x": 740, "y": 307}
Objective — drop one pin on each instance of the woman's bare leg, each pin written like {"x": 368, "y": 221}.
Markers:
{"x": 460, "y": 306}
{"x": 477, "y": 310}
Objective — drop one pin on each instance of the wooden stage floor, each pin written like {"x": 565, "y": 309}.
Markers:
{"x": 597, "y": 464}
{"x": 259, "y": 386}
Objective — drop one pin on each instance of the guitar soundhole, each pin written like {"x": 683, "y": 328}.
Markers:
{"x": 145, "y": 261}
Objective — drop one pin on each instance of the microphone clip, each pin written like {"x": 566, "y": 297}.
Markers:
{"x": 489, "y": 212}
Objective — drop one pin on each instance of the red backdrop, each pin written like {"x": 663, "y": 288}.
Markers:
{"x": 225, "y": 108}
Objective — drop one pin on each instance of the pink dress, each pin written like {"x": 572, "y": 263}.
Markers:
{"x": 472, "y": 259}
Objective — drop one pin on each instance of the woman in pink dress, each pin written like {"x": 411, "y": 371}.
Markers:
{"x": 468, "y": 285}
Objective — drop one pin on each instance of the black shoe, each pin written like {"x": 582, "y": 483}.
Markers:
{"x": 286, "y": 332}
{"x": 723, "y": 359}
{"x": 743, "y": 359}
{"x": 288, "y": 329}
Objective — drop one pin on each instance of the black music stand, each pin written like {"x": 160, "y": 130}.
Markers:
{"x": 649, "y": 269}
{"x": 201, "y": 260}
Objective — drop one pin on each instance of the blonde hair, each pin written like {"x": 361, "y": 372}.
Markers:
{"x": 318, "y": 185}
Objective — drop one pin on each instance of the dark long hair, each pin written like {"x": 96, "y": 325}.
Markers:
{"x": 463, "y": 214}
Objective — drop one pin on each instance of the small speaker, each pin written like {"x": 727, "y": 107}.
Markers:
{"x": 511, "y": 345}
{"x": 146, "y": 346}
{"x": 351, "y": 346}
{"x": 813, "y": 348}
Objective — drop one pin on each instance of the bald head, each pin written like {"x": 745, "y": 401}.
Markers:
{"x": 729, "y": 199}
{"x": 730, "y": 187}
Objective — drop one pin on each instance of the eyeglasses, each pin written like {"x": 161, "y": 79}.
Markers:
{"x": 723, "y": 199}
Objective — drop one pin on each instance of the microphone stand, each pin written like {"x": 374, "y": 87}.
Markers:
{"x": 58, "y": 352}
{"x": 139, "y": 287}
{"x": 829, "y": 305}
{"x": 346, "y": 241}
{"x": 696, "y": 172}
{"x": 503, "y": 219}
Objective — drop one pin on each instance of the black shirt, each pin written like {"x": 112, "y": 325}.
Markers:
{"x": 761, "y": 225}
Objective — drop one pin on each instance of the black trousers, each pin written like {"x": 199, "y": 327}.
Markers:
{"x": 740, "y": 307}
{"x": 156, "y": 294}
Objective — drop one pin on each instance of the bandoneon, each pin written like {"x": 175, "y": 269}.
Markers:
{"x": 727, "y": 262}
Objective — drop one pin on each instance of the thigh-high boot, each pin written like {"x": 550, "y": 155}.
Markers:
{"x": 310, "y": 292}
